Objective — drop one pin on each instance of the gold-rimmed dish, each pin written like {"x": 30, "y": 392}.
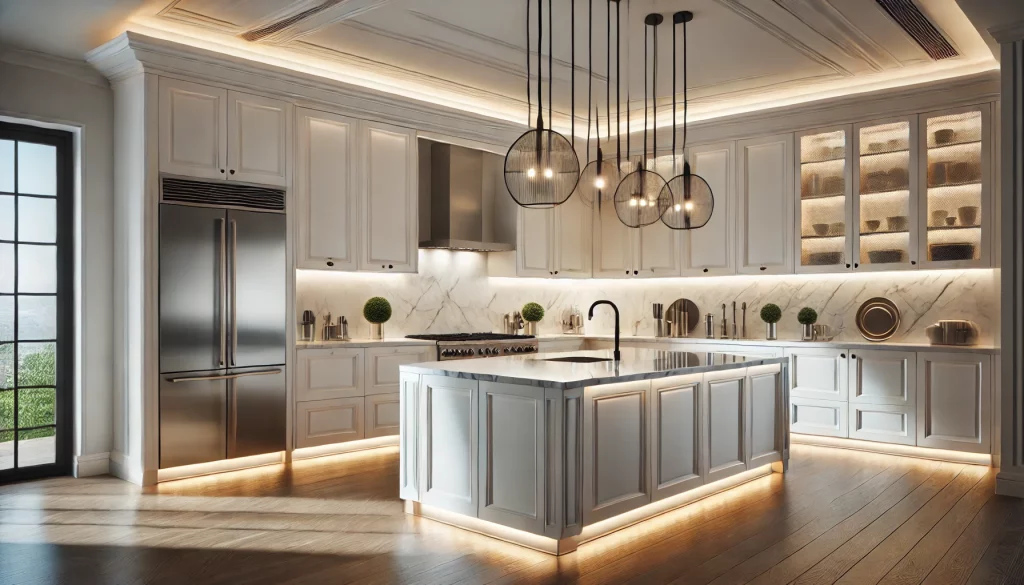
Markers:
{"x": 878, "y": 319}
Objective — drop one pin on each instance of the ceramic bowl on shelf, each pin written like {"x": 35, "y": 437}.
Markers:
{"x": 896, "y": 223}
{"x": 824, "y": 258}
{"x": 832, "y": 185}
{"x": 836, "y": 228}
{"x": 951, "y": 251}
{"x": 968, "y": 215}
{"x": 893, "y": 144}
{"x": 885, "y": 256}
{"x": 820, "y": 229}
{"x": 876, "y": 147}
{"x": 951, "y": 221}
{"x": 939, "y": 216}
{"x": 944, "y": 136}
{"x": 873, "y": 225}
{"x": 961, "y": 172}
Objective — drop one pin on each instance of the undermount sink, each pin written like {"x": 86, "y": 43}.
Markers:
{"x": 579, "y": 359}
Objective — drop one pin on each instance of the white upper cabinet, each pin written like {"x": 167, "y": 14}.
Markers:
{"x": 390, "y": 206}
{"x": 824, "y": 200}
{"x": 258, "y": 145}
{"x": 710, "y": 250}
{"x": 765, "y": 218}
{"x": 657, "y": 250}
{"x": 193, "y": 129}
{"x": 326, "y": 191}
{"x": 614, "y": 244}
{"x": 573, "y": 230}
{"x": 212, "y": 133}
{"x": 534, "y": 248}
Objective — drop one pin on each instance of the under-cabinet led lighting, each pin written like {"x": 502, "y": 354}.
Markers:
{"x": 894, "y": 449}
{"x": 172, "y": 473}
{"x": 346, "y": 447}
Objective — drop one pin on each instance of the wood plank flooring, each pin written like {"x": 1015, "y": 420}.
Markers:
{"x": 836, "y": 517}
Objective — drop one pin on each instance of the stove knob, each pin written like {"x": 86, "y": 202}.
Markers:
{"x": 445, "y": 353}
{"x": 519, "y": 350}
{"x": 480, "y": 351}
{"x": 467, "y": 352}
{"x": 486, "y": 351}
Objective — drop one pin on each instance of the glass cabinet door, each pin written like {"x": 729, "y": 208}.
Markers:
{"x": 885, "y": 196}
{"x": 955, "y": 177}
{"x": 823, "y": 202}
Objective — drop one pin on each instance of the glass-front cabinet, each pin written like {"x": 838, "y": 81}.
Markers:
{"x": 957, "y": 178}
{"x": 885, "y": 202}
{"x": 824, "y": 204}
{"x": 896, "y": 194}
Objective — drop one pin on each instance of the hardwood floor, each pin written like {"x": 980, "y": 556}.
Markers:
{"x": 836, "y": 517}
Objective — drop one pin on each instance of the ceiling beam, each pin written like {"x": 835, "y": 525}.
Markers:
{"x": 306, "y": 17}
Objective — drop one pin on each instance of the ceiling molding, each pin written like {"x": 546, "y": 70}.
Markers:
{"x": 771, "y": 28}
{"x": 321, "y": 14}
{"x": 78, "y": 70}
{"x": 842, "y": 33}
{"x": 173, "y": 12}
{"x": 1008, "y": 33}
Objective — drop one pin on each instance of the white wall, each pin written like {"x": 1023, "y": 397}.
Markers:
{"x": 452, "y": 293}
{"x": 35, "y": 88}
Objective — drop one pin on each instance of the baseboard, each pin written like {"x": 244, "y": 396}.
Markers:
{"x": 893, "y": 449}
{"x": 121, "y": 468}
{"x": 347, "y": 447}
{"x": 1010, "y": 484}
{"x": 90, "y": 465}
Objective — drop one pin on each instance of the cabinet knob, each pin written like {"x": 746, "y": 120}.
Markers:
{"x": 556, "y": 272}
{"x": 842, "y": 355}
{"x": 390, "y": 266}
{"x": 853, "y": 356}
{"x": 232, "y": 171}
{"x": 636, "y": 272}
{"x": 847, "y": 265}
{"x": 913, "y": 262}
{"x": 222, "y": 171}
{"x": 627, "y": 272}
{"x": 329, "y": 263}
{"x": 705, "y": 270}
{"x": 763, "y": 268}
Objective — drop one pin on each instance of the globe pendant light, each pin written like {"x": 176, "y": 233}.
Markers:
{"x": 541, "y": 166}
{"x": 692, "y": 199}
{"x": 600, "y": 176}
{"x": 640, "y": 198}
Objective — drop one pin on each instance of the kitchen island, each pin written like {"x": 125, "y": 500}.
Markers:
{"x": 553, "y": 450}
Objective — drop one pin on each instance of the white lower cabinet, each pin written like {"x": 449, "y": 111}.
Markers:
{"x": 512, "y": 455}
{"x": 888, "y": 423}
{"x": 448, "y": 473}
{"x": 323, "y": 422}
{"x": 615, "y": 420}
{"x": 813, "y": 416}
{"x": 954, "y": 401}
{"x": 382, "y": 363}
{"x": 329, "y": 373}
{"x": 409, "y": 434}
{"x": 818, "y": 373}
{"x": 883, "y": 377}
{"x": 764, "y": 427}
{"x": 725, "y": 445}
{"x": 381, "y": 415}
{"x": 676, "y": 434}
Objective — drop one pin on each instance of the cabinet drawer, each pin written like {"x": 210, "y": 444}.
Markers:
{"x": 818, "y": 417}
{"x": 382, "y": 414}
{"x": 819, "y": 373}
{"x": 382, "y": 365}
{"x": 323, "y": 374}
{"x": 887, "y": 423}
{"x": 324, "y": 422}
{"x": 883, "y": 377}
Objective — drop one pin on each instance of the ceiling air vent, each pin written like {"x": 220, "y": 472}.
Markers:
{"x": 275, "y": 27}
{"x": 910, "y": 19}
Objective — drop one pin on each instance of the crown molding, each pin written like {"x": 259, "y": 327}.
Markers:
{"x": 78, "y": 70}
{"x": 132, "y": 53}
{"x": 1008, "y": 33}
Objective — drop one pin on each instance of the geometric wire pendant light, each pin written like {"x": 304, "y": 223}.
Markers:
{"x": 600, "y": 177}
{"x": 692, "y": 199}
{"x": 541, "y": 166}
{"x": 641, "y": 198}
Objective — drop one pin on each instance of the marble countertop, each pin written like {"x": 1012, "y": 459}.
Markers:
{"x": 388, "y": 342}
{"x": 855, "y": 344}
{"x": 636, "y": 364}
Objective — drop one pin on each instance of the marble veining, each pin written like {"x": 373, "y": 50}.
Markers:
{"x": 453, "y": 293}
{"x": 636, "y": 364}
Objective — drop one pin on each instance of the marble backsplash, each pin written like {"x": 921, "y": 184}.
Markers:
{"x": 452, "y": 293}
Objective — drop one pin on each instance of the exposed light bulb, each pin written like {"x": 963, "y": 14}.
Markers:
{"x": 632, "y": 201}
{"x": 548, "y": 173}
{"x": 531, "y": 172}
{"x": 689, "y": 206}
{"x": 643, "y": 203}
{"x": 678, "y": 207}
{"x": 599, "y": 183}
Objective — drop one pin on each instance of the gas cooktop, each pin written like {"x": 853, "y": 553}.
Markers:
{"x": 468, "y": 337}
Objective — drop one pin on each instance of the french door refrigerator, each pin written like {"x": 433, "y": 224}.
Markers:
{"x": 222, "y": 329}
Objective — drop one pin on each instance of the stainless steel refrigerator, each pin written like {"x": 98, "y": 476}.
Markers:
{"x": 222, "y": 329}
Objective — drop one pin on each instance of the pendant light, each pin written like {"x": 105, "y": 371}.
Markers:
{"x": 640, "y": 198}
{"x": 541, "y": 166}
{"x": 600, "y": 176}
{"x": 692, "y": 199}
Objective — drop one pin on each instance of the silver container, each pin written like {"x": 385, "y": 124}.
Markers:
{"x": 807, "y": 332}
{"x": 307, "y": 331}
{"x": 376, "y": 331}
{"x": 771, "y": 331}
{"x": 530, "y": 328}
{"x": 709, "y": 326}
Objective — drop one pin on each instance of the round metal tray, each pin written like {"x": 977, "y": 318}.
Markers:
{"x": 878, "y": 319}
{"x": 675, "y": 313}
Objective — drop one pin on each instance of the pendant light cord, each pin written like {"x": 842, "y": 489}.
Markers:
{"x": 551, "y": 71}
{"x": 629, "y": 54}
{"x": 590, "y": 71}
{"x": 654, "y": 99}
{"x": 540, "y": 66}
{"x": 618, "y": 82}
{"x": 674, "y": 90}
{"x": 643, "y": 161}
{"x": 608, "y": 67}
{"x": 529, "y": 87}
{"x": 686, "y": 103}
{"x": 572, "y": 68}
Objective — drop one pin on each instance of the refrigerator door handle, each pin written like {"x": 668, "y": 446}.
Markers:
{"x": 234, "y": 295}
{"x": 223, "y": 292}
{"x": 225, "y": 376}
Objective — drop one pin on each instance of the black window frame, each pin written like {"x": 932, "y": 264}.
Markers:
{"x": 63, "y": 141}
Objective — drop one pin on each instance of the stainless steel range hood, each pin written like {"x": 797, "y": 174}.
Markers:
{"x": 464, "y": 204}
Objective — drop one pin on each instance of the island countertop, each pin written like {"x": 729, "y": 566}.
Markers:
{"x": 636, "y": 364}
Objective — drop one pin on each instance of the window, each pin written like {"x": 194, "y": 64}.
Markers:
{"x": 35, "y": 301}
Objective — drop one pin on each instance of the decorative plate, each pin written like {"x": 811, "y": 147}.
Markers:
{"x": 878, "y": 319}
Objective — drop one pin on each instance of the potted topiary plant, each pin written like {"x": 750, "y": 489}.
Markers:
{"x": 532, "y": 313}
{"x": 377, "y": 311}
{"x": 771, "y": 314}
{"x": 807, "y": 318}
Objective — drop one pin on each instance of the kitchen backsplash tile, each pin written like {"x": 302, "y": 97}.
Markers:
{"x": 452, "y": 293}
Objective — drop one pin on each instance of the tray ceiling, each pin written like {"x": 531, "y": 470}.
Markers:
{"x": 470, "y": 54}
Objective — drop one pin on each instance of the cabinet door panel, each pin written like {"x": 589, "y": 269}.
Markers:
{"x": 818, "y": 417}
{"x": 675, "y": 435}
{"x": 533, "y": 253}
{"x": 326, "y": 191}
{"x": 329, "y": 373}
{"x": 710, "y": 250}
{"x": 382, "y": 365}
{"x": 573, "y": 230}
{"x": 725, "y": 450}
{"x": 409, "y": 437}
{"x": 819, "y": 373}
{"x": 765, "y": 436}
{"x": 613, "y": 244}
{"x": 449, "y": 456}
{"x": 765, "y": 181}
{"x": 615, "y": 450}
{"x": 193, "y": 129}
{"x": 390, "y": 204}
{"x": 324, "y": 422}
{"x": 659, "y": 251}
{"x": 259, "y": 132}
{"x": 883, "y": 377}
{"x": 954, "y": 401}
{"x": 382, "y": 415}
{"x": 883, "y": 422}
